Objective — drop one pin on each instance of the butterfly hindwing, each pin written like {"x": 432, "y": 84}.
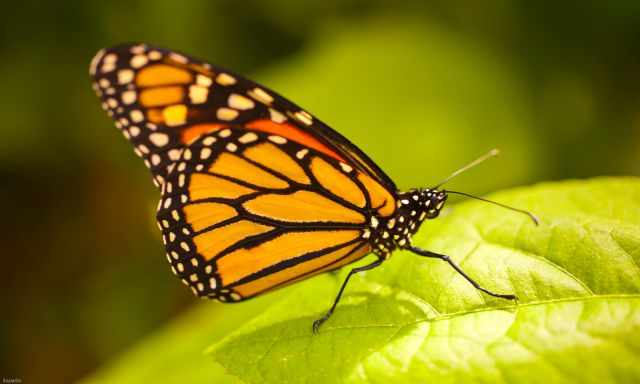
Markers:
{"x": 245, "y": 211}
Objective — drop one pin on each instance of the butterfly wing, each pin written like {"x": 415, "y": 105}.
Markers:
{"x": 256, "y": 193}
{"x": 161, "y": 100}
{"x": 246, "y": 211}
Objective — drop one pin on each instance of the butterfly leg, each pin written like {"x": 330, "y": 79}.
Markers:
{"x": 424, "y": 252}
{"x": 318, "y": 323}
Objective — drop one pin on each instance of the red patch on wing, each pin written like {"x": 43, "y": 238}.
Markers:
{"x": 294, "y": 134}
{"x": 189, "y": 134}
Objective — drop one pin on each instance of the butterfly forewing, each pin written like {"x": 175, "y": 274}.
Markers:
{"x": 161, "y": 100}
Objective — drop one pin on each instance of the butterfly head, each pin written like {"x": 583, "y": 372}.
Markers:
{"x": 419, "y": 204}
{"x": 433, "y": 202}
{"x": 414, "y": 206}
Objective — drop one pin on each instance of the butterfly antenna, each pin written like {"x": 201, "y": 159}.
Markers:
{"x": 492, "y": 153}
{"x": 531, "y": 215}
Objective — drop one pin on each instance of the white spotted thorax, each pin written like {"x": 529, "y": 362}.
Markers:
{"x": 413, "y": 207}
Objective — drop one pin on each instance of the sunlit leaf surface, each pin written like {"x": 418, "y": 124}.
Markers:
{"x": 416, "y": 320}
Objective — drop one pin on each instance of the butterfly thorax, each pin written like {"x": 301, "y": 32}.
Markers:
{"x": 413, "y": 207}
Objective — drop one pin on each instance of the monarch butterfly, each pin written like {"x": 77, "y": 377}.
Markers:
{"x": 256, "y": 193}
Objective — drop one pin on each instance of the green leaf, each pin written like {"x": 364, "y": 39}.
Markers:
{"x": 433, "y": 90}
{"x": 174, "y": 354}
{"x": 416, "y": 320}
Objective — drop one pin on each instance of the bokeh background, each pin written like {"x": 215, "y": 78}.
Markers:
{"x": 422, "y": 86}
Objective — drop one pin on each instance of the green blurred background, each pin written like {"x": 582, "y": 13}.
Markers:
{"x": 422, "y": 87}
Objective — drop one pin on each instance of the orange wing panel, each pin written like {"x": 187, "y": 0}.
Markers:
{"x": 307, "y": 269}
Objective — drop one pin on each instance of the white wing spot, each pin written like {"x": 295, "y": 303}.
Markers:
{"x": 240, "y": 102}
{"x": 205, "y": 153}
{"x": 159, "y": 139}
{"x": 303, "y": 117}
{"x": 129, "y": 97}
{"x": 138, "y": 61}
{"x": 125, "y": 76}
{"x": 226, "y": 114}
{"x": 155, "y": 55}
{"x": 277, "y": 139}
{"x": 261, "y": 95}
{"x": 136, "y": 116}
{"x": 109, "y": 62}
{"x": 197, "y": 94}
{"x": 248, "y": 138}
{"x": 204, "y": 81}
{"x": 276, "y": 116}
{"x": 225, "y": 79}
{"x": 346, "y": 167}
{"x": 143, "y": 148}
{"x": 174, "y": 154}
